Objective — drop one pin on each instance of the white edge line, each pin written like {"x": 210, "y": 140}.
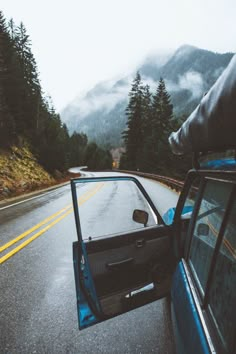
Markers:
{"x": 26, "y": 200}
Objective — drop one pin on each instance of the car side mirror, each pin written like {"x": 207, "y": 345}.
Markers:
{"x": 140, "y": 216}
{"x": 203, "y": 229}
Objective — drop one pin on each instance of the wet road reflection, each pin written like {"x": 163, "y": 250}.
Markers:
{"x": 37, "y": 293}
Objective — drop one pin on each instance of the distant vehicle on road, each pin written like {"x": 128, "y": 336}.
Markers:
{"x": 189, "y": 253}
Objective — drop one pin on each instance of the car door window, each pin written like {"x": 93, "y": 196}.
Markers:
{"x": 191, "y": 197}
{"x": 206, "y": 230}
{"x": 109, "y": 208}
{"x": 222, "y": 293}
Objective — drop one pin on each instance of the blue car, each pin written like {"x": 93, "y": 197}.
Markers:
{"x": 189, "y": 254}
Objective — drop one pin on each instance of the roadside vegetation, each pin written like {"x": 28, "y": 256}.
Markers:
{"x": 28, "y": 120}
{"x": 20, "y": 173}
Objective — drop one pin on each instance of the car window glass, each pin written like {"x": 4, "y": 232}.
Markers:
{"x": 206, "y": 229}
{"x": 222, "y": 294}
{"x": 190, "y": 199}
{"x": 186, "y": 212}
{"x": 106, "y": 208}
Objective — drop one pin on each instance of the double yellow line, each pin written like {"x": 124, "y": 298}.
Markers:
{"x": 226, "y": 242}
{"x": 61, "y": 213}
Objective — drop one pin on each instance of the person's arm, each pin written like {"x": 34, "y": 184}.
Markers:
{"x": 212, "y": 125}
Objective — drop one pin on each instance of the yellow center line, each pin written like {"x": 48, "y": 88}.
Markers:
{"x": 82, "y": 200}
{"x": 90, "y": 194}
{"x": 32, "y": 238}
{"x": 26, "y": 233}
{"x": 226, "y": 242}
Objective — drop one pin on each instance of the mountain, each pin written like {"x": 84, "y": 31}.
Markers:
{"x": 188, "y": 73}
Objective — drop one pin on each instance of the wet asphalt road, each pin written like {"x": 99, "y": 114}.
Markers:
{"x": 37, "y": 293}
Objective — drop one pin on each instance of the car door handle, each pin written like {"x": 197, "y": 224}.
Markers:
{"x": 120, "y": 264}
{"x": 140, "y": 243}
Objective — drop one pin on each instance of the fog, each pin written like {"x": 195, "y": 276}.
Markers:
{"x": 107, "y": 94}
{"x": 79, "y": 43}
{"x": 191, "y": 81}
{"x": 103, "y": 97}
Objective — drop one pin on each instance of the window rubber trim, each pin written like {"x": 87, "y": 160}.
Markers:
{"x": 199, "y": 310}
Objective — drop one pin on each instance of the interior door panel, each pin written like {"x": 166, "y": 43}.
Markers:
{"x": 122, "y": 264}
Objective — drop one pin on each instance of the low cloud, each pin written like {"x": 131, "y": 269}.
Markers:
{"x": 106, "y": 95}
{"x": 217, "y": 72}
{"x": 191, "y": 81}
{"x": 151, "y": 83}
{"x": 103, "y": 97}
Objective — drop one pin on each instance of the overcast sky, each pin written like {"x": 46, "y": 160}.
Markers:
{"x": 77, "y": 43}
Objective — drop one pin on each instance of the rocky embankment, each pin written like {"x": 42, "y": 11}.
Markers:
{"x": 20, "y": 173}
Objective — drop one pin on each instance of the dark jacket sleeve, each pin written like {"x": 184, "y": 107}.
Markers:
{"x": 212, "y": 125}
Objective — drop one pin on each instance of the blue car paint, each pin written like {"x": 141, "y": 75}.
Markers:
{"x": 189, "y": 334}
{"x": 220, "y": 164}
{"x": 168, "y": 217}
{"x": 85, "y": 315}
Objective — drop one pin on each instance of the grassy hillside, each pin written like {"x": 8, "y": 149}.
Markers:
{"x": 20, "y": 172}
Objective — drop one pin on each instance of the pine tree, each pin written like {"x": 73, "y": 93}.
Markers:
{"x": 11, "y": 29}
{"x": 133, "y": 135}
{"x": 147, "y": 148}
{"x": 162, "y": 125}
{"x": 30, "y": 85}
{"x": 14, "y": 83}
{"x": 7, "y": 122}
{"x": 77, "y": 146}
{"x": 162, "y": 112}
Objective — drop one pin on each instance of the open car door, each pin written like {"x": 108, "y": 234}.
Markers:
{"x": 123, "y": 258}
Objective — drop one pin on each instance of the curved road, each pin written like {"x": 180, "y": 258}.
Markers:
{"x": 37, "y": 293}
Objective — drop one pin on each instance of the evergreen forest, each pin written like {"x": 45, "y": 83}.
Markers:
{"x": 27, "y": 116}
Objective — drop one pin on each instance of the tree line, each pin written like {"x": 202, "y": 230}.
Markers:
{"x": 150, "y": 120}
{"x": 28, "y": 116}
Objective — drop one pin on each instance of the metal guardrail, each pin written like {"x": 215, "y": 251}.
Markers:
{"x": 170, "y": 182}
